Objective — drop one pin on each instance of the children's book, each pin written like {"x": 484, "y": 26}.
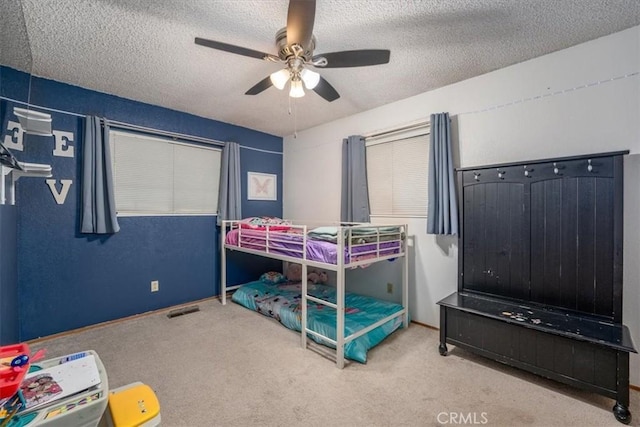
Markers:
{"x": 42, "y": 387}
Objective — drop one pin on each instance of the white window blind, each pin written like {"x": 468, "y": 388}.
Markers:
{"x": 397, "y": 176}
{"x": 158, "y": 176}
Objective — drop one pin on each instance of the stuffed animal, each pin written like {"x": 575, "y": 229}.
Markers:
{"x": 324, "y": 278}
{"x": 294, "y": 272}
{"x": 317, "y": 277}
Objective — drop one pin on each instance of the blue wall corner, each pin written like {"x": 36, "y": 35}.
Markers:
{"x": 67, "y": 280}
{"x": 9, "y": 331}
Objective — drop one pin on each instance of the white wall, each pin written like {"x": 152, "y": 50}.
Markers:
{"x": 561, "y": 104}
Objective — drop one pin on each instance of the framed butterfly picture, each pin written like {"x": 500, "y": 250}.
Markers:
{"x": 262, "y": 186}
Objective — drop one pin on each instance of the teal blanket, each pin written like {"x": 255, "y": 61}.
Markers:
{"x": 282, "y": 302}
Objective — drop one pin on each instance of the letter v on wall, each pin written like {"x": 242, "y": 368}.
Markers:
{"x": 62, "y": 195}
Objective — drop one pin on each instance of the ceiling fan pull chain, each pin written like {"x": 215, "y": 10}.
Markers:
{"x": 295, "y": 118}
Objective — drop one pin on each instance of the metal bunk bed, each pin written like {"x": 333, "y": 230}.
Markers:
{"x": 379, "y": 243}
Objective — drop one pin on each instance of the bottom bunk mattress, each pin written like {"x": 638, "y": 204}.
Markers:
{"x": 282, "y": 302}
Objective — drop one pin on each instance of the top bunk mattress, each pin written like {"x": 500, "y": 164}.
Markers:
{"x": 321, "y": 243}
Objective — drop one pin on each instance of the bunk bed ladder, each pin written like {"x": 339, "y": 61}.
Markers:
{"x": 340, "y": 285}
{"x": 303, "y": 302}
{"x": 405, "y": 277}
{"x": 339, "y": 342}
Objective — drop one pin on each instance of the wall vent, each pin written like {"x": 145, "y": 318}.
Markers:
{"x": 184, "y": 310}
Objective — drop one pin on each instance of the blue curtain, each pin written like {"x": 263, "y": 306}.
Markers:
{"x": 230, "y": 196}
{"x": 442, "y": 215}
{"x": 98, "y": 208}
{"x": 355, "y": 193}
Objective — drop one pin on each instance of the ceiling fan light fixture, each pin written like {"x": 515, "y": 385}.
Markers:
{"x": 295, "y": 45}
{"x": 310, "y": 78}
{"x": 296, "y": 89}
{"x": 280, "y": 78}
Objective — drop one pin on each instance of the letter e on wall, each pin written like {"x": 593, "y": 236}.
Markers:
{"x": 62, "y": 149}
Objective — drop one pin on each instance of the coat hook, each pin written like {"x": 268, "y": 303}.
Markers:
{"x": 501, "y": 173}
{"x": 555, "y": 169}
{"x": 527, "y": 172}
{"x": 476, "y": 176}
{"x": 590, "y": 167}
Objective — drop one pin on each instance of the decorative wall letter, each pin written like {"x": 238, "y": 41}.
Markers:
{"x": 62, "y": 195}
{"x": 61, "y": 148}
{"x": 13, "y": 140}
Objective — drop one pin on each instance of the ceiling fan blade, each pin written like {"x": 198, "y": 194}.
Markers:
{"x": 232, "y": 48}
{"x": 261, "y": 86}
{"x": 300, "y": 19}
{"x": 354, "y": 58}
{"x": 325, "y": 90}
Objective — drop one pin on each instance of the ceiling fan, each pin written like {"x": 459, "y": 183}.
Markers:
{"x": 296, "y": 44}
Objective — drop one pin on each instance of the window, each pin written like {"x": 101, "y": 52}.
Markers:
{"x": 397, "y": 174}
{"x": 159, "y": 176}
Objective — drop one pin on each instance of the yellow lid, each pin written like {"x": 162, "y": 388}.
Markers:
{"x": 133, "y": 406}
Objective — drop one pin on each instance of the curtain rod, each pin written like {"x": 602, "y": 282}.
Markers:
{"x": 411, "y": 126}
{"x": 123, "y": 125}
{"x": 174, "y": 135}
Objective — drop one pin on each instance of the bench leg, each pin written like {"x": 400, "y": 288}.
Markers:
{"x": 442, "y": 348}
{"x": 621, "y": 412}
{"x": 621, "y": 408}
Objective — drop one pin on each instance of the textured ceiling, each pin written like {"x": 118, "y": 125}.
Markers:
{"x": 145, "y": 50}
{"x": 14, "y": 41}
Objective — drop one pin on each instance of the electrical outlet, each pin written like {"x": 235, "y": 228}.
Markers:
{"x": 389, "y": 288}
{"x": 155, "y": 286}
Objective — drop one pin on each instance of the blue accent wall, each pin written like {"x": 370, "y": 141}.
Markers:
{"x": 67, "y": 280}
{"x": 8, "y": 275}
{"x": 251, "y": 160}
{"x": 14, "y": 84}
{"x": 9, "y": 304}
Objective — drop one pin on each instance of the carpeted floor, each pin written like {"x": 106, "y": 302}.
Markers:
{"x": 227, "y": 366}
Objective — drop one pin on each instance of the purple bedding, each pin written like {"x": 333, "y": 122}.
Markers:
{"x": 290, "y": 244}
